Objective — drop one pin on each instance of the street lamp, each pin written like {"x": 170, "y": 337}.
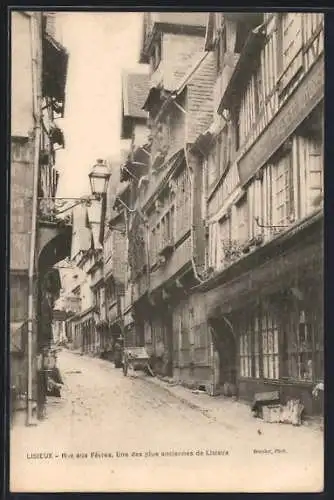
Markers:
{"x": 99, "y": 177}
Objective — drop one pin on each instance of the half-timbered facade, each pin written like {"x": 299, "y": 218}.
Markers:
{"x": 179, "y": 106}
{"x": 263, "y": 168}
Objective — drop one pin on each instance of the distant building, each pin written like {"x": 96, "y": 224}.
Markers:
{"x": 87, "y": 255}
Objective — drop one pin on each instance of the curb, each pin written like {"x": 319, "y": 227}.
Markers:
{"x": 190, "y": 404}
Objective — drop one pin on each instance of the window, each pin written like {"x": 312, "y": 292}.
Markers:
{"x": 310, "y": 141}
{"x": 289, "y": 50}
{"x": 270, "y": 351}
{"x": 291, "y": 34}
{"x": 156, "y": 53}
{"x": 242, "y": 219}
{"x": 304, "y": 342}
{"x": 167, "y": 227}
{"x": 212, "y": 167}
{"x": 259, "y": 348}
{"x": 283, "y": 191}
{"x": 153, "y": 246}
{"x": 223, "y": 150}
{"x": 213, "y": 245}
{"x": 97, "y": 299}
{"x": 237, "y": 132}
{"x": 246, "y": 354}
{"x": 158, "y": 237}
{"x": 314, "y": 166}
{"x": 258, "y": 91}
{"x": 225, "y": 239}
{"x": 182, "y": 204}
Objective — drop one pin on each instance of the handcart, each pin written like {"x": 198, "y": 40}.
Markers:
{"x": 136, "y": 358}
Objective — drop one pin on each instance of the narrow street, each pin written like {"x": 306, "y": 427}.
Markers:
{"x": 134, "y": 421}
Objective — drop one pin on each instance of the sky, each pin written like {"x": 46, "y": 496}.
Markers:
{"x": 100, "y": 46}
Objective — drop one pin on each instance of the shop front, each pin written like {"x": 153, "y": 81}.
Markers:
{"x": 267, "y": 322}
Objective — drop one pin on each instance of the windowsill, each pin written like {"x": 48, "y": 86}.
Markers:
{"x": 282, "y": 381}
{"x": 273, "y": 240}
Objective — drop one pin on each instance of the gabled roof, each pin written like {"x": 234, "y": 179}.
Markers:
{"x": 135, "y": 88}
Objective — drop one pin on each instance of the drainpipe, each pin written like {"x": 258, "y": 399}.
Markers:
{"x": 35, "y": 30}
{"x": 192, "y": 245}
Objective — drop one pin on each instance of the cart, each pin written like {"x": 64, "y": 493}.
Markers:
{"x": 137, "y": 358}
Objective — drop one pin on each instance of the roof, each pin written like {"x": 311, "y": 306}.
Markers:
{"x": 135, "y": 88}
{"x": 181, "y": 18}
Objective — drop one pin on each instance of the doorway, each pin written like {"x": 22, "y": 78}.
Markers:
{"x": 168, "y": 340}
{"x": 225, "y": 344}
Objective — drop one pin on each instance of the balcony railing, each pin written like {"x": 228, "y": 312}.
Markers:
{"x": 48, "y": 213}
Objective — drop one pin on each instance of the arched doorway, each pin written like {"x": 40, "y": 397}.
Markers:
{"x": 224, "y": 342}
{"x": 53, "y": 246}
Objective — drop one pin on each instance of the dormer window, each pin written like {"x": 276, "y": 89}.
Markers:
{"x": 156, "y": 53}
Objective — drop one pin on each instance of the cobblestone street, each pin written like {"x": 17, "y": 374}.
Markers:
{"x": 134, "y": 420}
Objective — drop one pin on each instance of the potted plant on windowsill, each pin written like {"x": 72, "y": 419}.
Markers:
{"x": 256, "y": 241}
{"x": 245, "y": 248}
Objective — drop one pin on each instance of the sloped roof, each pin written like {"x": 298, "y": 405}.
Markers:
{"x": 135, "y": 88}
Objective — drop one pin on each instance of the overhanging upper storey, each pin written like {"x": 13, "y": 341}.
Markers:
{"x": 55, "y": 64}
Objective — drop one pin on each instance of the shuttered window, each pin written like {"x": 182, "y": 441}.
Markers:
{"x": 283, "y": 191}
{"x": 291, "y": 37}
{"x": 290, "y": 42}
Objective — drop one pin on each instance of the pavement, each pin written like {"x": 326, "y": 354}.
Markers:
{"x": 110, "y": 433}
